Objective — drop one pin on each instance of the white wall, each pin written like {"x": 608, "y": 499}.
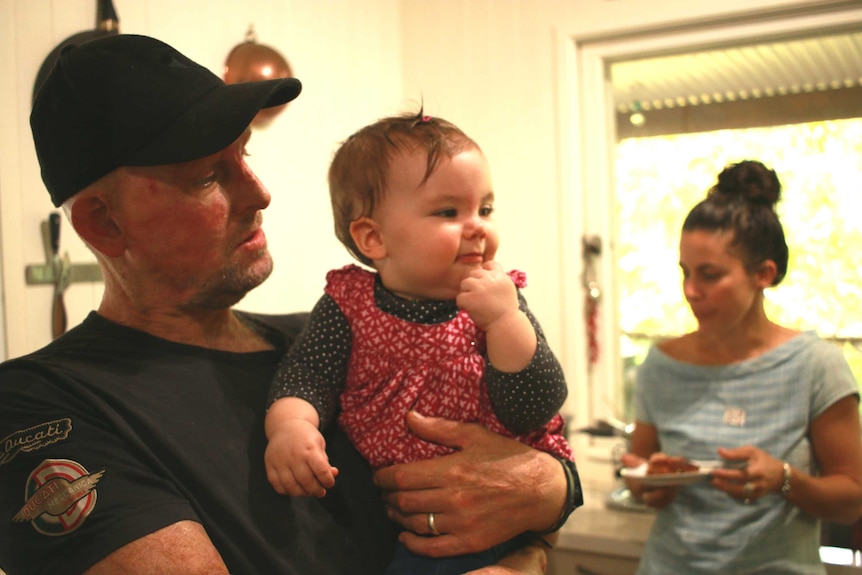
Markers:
{"x": 497, "y": 68}
{"x": 491, "y": 66}
{"x": 346, "y": 53}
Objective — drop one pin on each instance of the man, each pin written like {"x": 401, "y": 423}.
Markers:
{"x": 134, "y": 443}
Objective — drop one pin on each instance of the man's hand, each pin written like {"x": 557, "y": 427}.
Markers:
{"x": 492, "y": 489}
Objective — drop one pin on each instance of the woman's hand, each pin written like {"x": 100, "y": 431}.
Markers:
{"x": 753, "y": 473}
{"x": 652, "y": 496}
{"x": 492, "y": 489}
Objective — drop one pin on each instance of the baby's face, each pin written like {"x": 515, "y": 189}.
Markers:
{"x": 434, "y": 232}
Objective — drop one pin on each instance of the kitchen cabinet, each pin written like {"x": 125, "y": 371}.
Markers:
{"x": 600, "y": 541}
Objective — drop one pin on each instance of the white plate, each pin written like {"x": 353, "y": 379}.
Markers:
{"x": 639, "y": 473}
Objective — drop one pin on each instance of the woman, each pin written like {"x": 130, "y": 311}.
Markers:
{"x": 778, "y": 407}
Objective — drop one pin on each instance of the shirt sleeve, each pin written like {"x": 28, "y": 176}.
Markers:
{"x": 832, "y": 377}
{"x": 73, "y": 488}
{"x": 315, "y": 367}
{"x": 526, "y": 400}
{"x": 645, "y": 378}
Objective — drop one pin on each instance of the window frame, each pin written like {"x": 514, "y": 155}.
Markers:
{"x": 588, "y": 137}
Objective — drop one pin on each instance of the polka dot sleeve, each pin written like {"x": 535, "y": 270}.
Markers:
{"x": 526, "y": 400}
{"x": 315, "y": 368}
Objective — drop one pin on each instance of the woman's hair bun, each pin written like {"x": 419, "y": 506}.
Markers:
{"x": 748, "y": 180}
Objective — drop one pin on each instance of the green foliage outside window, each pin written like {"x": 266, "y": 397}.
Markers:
{"x": 659, "y": 179}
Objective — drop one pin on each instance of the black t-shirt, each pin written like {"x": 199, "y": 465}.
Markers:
{"x": 109, "y": 434}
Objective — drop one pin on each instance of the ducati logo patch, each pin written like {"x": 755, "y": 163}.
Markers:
{"x": 59, "y": 496}
{"x": 34, "y": 438}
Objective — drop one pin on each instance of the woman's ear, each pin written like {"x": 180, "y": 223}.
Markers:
{"x": 92, "y": 220}
{"x": 766, "y": 272}
{"x": 367, "y": 237}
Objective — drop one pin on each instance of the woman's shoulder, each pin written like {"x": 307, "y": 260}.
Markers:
{"x": 680, "y": 348}
{"x": 689, "y": 348}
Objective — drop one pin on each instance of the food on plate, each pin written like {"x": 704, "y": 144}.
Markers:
{"x": 671, "y": 465}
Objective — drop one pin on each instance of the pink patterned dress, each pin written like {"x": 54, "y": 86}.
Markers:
{"x": 438, "y": 369}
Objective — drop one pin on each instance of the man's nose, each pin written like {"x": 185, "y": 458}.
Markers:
{"x": 250, "y": 191}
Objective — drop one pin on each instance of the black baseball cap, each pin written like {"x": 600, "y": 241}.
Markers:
{"x": 130, "y": 100}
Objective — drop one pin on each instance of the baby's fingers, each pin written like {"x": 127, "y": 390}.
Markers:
{"x": 284, "y": 482}
{"x": 320, "y": 469}
{"x": 313, "y": 484}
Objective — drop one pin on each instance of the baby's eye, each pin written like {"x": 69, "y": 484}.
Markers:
{"x": 447, "y": 213}
{"x": 486, "y": 211}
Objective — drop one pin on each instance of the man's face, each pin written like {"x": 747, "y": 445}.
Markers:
{"x": 192, "y": 230}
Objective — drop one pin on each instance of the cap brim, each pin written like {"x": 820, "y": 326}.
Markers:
{"x": 213, "y": 122}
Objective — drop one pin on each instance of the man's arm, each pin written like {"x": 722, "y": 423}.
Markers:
{"x": 492, "y": 489}
{"x": 182, "y": 548}
{"x": 531, "y": 559}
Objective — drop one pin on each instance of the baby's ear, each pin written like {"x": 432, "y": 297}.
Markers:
{"x": 367, "y": 237}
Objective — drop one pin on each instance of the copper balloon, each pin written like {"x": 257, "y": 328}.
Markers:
{"x": 250, "y": 62}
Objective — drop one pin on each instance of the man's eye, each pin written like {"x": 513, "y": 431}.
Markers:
{"x": 207, "y": 181}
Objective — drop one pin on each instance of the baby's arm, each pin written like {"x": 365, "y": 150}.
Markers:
{"x": 303, "y": 399}
{"x": 527, "y": 398}
{"x": 491, "y": 298}
{"x": 296, "y": 460}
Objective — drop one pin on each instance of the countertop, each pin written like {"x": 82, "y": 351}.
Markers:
{"x": 595, "y": 527}
{"x": 598, "y": 529}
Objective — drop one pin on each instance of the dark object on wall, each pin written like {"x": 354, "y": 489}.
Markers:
{"x": 107, "y": 24}
{"x": 251, "y": 62}
{"x": 59, "y": 272}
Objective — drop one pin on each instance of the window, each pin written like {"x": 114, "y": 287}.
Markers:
{"x": 667, "y": 165}
{"x": 659, "y": 178}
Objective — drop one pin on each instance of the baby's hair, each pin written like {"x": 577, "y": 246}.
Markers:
{"x": 359, "y": 172}
{"x": 743, "y": 201}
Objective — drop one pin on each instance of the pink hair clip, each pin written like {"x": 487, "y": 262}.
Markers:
{"x": 426, "y": 118}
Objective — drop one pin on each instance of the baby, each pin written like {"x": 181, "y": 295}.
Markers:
{"x": 438, "y": 327}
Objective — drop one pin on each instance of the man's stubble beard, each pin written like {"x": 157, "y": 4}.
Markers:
{"x": 232, "y": 284}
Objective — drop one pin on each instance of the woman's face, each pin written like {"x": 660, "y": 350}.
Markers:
{"x": 721, "y": 293}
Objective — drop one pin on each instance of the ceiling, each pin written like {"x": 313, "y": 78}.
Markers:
{"x": 739, "y": 73}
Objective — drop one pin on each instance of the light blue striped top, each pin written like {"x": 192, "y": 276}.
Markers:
{"x": 769, "y": 402}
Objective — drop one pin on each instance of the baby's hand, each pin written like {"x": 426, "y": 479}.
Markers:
{"x": 487, "y": 294}
{"x": 296, "y": 460}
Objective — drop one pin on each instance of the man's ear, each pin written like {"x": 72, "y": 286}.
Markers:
{"x": 367, "y": 237}
{"x": 92, "y": 220}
